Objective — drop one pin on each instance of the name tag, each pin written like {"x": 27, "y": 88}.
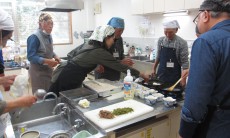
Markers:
{"x": 170, "y": 65}
{"x": 115, "y": 54}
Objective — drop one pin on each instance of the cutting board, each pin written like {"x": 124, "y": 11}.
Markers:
{"x": 138, "y": 107}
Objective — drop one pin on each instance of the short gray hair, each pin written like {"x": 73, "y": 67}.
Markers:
{"x": 216, "y": 7}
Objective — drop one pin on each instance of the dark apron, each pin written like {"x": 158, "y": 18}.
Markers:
{"x": 71, "y": 77}
{"x": 166, "y": 74}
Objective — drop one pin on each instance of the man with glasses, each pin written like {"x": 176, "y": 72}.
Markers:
{"x": 206, "y": 110}
{"x": 40, "y": 54}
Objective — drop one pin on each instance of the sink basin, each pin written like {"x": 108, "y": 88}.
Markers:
{"x": 39, "y": 117}
{"x": 141, "y": 58}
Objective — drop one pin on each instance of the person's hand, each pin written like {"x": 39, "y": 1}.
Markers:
{"x": 184, "y": 76}
{"x": 56, "y": 58}
{"x": 100, "y": 69}
{"x": 6, "y": 81}
{"x": 144, "y": 76}
{"x": 127, "y": 61}
{"x": 50, "y": 62}
{"x": 26, "y": 101}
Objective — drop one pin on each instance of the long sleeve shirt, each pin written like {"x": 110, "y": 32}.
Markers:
{"x": 181, "y": 47}
{"x": 33, "y": 44}
{"x": 103, "y": 57}
{"x": 209, "y": 78}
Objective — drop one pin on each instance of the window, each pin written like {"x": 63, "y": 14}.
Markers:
{"x": 26, "y": 13}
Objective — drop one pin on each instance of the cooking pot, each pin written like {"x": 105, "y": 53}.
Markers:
{"x": 152, "y": 84}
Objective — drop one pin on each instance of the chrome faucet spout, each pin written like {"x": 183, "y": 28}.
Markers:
{"x": 48, "y": 94}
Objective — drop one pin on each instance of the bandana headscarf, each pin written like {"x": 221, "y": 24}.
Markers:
{"x": 101, "y": 32}
{"x": 116, "y": 22}
{"x": 171, "y": 24}
{"x": 6, "y": 22}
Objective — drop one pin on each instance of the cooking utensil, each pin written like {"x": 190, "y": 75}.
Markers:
{"x": 173, "y": 86}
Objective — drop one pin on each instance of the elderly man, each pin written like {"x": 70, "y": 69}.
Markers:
{"x": 206, "y": 111}
{"x": 116, "y": 50}
{"x": 172, "y": 56}
{"x": 40, "y": 54}
{"x": 6, "y": 30}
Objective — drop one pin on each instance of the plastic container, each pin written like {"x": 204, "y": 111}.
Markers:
{"x": 82, "y": 134}
{"x": 128, "y": 91}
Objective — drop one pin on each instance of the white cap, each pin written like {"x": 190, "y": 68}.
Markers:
{"x": 6, "y": 21}
{"x": 171, "y": 24}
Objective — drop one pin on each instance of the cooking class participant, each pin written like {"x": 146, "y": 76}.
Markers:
{"x": 41, "y": 55}
{"x": 6, "y": 30}
{"x": 206, "y": 110}
{"x": 71, "y": 74}
{"x": 116, "y": 50}
{"x": 172, "y": 55}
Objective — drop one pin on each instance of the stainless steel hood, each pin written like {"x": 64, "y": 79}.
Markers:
{"x": 63, "y": 5}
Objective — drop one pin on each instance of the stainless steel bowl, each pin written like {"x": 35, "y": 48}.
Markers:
{"x": 30, "y": 134}
{"x": 60, "y": 134}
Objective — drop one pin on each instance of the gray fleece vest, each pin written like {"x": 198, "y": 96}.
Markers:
{"x": 46, "y": 44}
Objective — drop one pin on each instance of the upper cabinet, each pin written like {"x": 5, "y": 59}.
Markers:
{"x": 147, "y": 6}
{"x": 174, "y": 5}
{"x": 192, "y": 4}
{"x": 160, "y": 6}
{"x": 137, "y": 7}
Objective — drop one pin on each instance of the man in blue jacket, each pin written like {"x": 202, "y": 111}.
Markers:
{"x": 206, "y": 111}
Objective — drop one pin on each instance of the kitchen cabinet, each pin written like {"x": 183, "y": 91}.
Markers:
{"x": 174, "y": 5}
{"x": 147, "y": 6}
{"x": 159, "y": 6}
{"x": 137, "y": 6}
{"x": 193, "y": 4}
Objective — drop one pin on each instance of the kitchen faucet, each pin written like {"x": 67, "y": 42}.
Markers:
{"x": 48, "y": 94}
{"x": 65, "y": 110}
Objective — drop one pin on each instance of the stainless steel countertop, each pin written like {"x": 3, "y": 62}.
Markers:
{"x": 159, "y": 110}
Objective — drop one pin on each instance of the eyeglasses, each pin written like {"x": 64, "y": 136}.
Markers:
{"x": 195, "y": 20}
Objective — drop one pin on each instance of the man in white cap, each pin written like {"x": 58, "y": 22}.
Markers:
{"x": 6, "y": 30}
{"x": 172, "y": 56}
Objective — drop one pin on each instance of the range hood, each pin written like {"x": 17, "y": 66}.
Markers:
{"x": 63, "y": 5}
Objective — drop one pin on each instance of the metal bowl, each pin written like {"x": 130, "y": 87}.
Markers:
{"x": 30, "y": 134}
{"x": 60, "y": 134}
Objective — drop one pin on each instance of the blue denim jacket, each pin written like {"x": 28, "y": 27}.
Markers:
{"x": 208, "y": 82}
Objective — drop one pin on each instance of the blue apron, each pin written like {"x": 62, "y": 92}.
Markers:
{"x": 169, "y": 70}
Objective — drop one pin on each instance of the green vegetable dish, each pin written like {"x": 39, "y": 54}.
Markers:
{"x": 121, "y": 111}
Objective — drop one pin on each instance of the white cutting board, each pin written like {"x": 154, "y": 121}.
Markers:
{"x": 139, "y": 109}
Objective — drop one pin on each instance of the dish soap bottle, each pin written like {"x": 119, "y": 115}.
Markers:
{"x": 128, "y": 93}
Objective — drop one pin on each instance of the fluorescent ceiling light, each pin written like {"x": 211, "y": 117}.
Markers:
{"x": 176, "y": 13}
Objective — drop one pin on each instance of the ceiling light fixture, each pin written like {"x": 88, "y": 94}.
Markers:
{"x": 176, "y": 13}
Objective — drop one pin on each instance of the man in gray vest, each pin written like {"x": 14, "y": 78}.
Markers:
{"x": 40, "y": 54}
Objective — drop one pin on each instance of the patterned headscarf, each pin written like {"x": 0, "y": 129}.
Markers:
{"x": 101, "y": 32}
{"x": 117, "y": 22}
{"x": 6, "y": 21}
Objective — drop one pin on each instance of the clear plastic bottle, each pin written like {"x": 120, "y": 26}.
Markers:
{"x": 128, "y": 91}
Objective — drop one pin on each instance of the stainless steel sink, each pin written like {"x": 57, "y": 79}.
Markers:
{"x": 39, "y": 117}
{"x": 141, "y": 58}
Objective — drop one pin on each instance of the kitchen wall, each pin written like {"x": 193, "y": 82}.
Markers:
{"x": 122, "y": 8}
{"x": 86, "y": 20}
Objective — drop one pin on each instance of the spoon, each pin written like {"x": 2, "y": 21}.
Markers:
{"x": 172, "y": 87}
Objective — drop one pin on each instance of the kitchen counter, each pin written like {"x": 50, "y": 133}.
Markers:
{"x": 159, "y": 110}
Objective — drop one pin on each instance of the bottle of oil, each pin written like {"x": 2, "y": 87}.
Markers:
{"x": 128, "y": 92}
